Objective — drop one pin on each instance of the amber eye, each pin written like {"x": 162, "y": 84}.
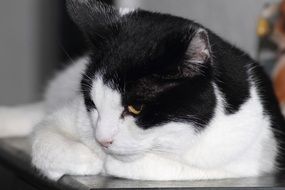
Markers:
{"x": 136, "y": 110}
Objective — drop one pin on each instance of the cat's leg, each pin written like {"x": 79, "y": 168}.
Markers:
{"x": 20, "y": 120}
{"x": 154, "y": 167}
{"x": 57, "y": 148}
{"x": 56, "y": 154}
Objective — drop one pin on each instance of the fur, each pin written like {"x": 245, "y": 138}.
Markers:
{"x": 208, "y": 111}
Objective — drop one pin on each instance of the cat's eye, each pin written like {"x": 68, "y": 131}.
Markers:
{"x": 136, "y": 110}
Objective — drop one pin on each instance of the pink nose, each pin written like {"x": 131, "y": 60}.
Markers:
{"x": 105, "y": 144}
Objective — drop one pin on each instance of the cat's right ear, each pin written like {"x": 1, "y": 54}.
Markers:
{"x": 199, "y": 49}
{"x": 94, "y": 17}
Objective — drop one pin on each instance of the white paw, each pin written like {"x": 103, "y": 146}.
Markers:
{"x": 113, "y": 167}
{"x": 91, "y": 167}
{"x": 72, "y": 160}
{"x": 138, "y": 169}
{"x": 150, "y": 167}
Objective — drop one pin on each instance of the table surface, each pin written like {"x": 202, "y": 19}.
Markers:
{"x": 15, "y": 152}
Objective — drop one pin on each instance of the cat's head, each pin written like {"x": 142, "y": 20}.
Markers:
{"x": 148, "y": 86}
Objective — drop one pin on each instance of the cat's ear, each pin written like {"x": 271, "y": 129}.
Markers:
{"x": 93, "y": 17}
{"x": 199, "y": 49}
{"x": 198, "y": 53}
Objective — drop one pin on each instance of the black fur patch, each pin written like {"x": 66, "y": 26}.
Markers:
{"x": 231, "y": 72}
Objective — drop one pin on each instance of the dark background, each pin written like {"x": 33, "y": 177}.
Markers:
{"x": 70, "y": 38}
{"x": 69, "y": 42}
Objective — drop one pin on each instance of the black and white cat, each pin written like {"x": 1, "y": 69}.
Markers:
{"x": 157, "y": 97}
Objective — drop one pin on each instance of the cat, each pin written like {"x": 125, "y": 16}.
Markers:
{"x": 156, "y": 97}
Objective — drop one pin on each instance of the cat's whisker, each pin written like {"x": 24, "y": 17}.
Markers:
{"x": 88, "y": 86}
{"x": 83, "y": 91}
{"x": 278, "y": 131}
{"x": 88, "y": 77}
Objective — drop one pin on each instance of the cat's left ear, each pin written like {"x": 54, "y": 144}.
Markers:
{"x": 94, "y": 17}
{"x": 198, "y": 54}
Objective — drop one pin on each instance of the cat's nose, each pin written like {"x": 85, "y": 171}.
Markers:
{"x": 106, "y": 144}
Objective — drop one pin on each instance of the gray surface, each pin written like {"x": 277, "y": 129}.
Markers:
{"x": 103, "y": 182}
{"x": 16, "y": 151}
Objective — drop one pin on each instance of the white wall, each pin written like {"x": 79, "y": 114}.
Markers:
{"x": 26, "y": 48}
{"x": 18, "y": 51}
{"x": 235, "y": 20}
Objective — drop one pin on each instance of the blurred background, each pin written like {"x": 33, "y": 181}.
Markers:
{"x": 37, "y": 37}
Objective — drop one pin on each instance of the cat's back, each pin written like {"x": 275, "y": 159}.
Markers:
{"x": 65, "y": 86}
{"x": 241, "y": 80}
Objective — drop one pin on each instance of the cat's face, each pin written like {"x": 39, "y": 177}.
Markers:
{"x": 148, "y": 85}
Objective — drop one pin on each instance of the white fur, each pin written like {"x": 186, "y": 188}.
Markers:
{"x": 109, "y": 110}
{"x": 19, "y": 120}
{"x": 66, "y": 140}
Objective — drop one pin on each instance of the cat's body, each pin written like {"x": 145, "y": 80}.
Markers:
{"x": 158, "y": 98}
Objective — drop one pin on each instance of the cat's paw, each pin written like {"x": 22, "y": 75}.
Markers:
{"x": 92, "y": 166}
{"x": 114, "y": 167}
{"x": 75, "y": 160}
